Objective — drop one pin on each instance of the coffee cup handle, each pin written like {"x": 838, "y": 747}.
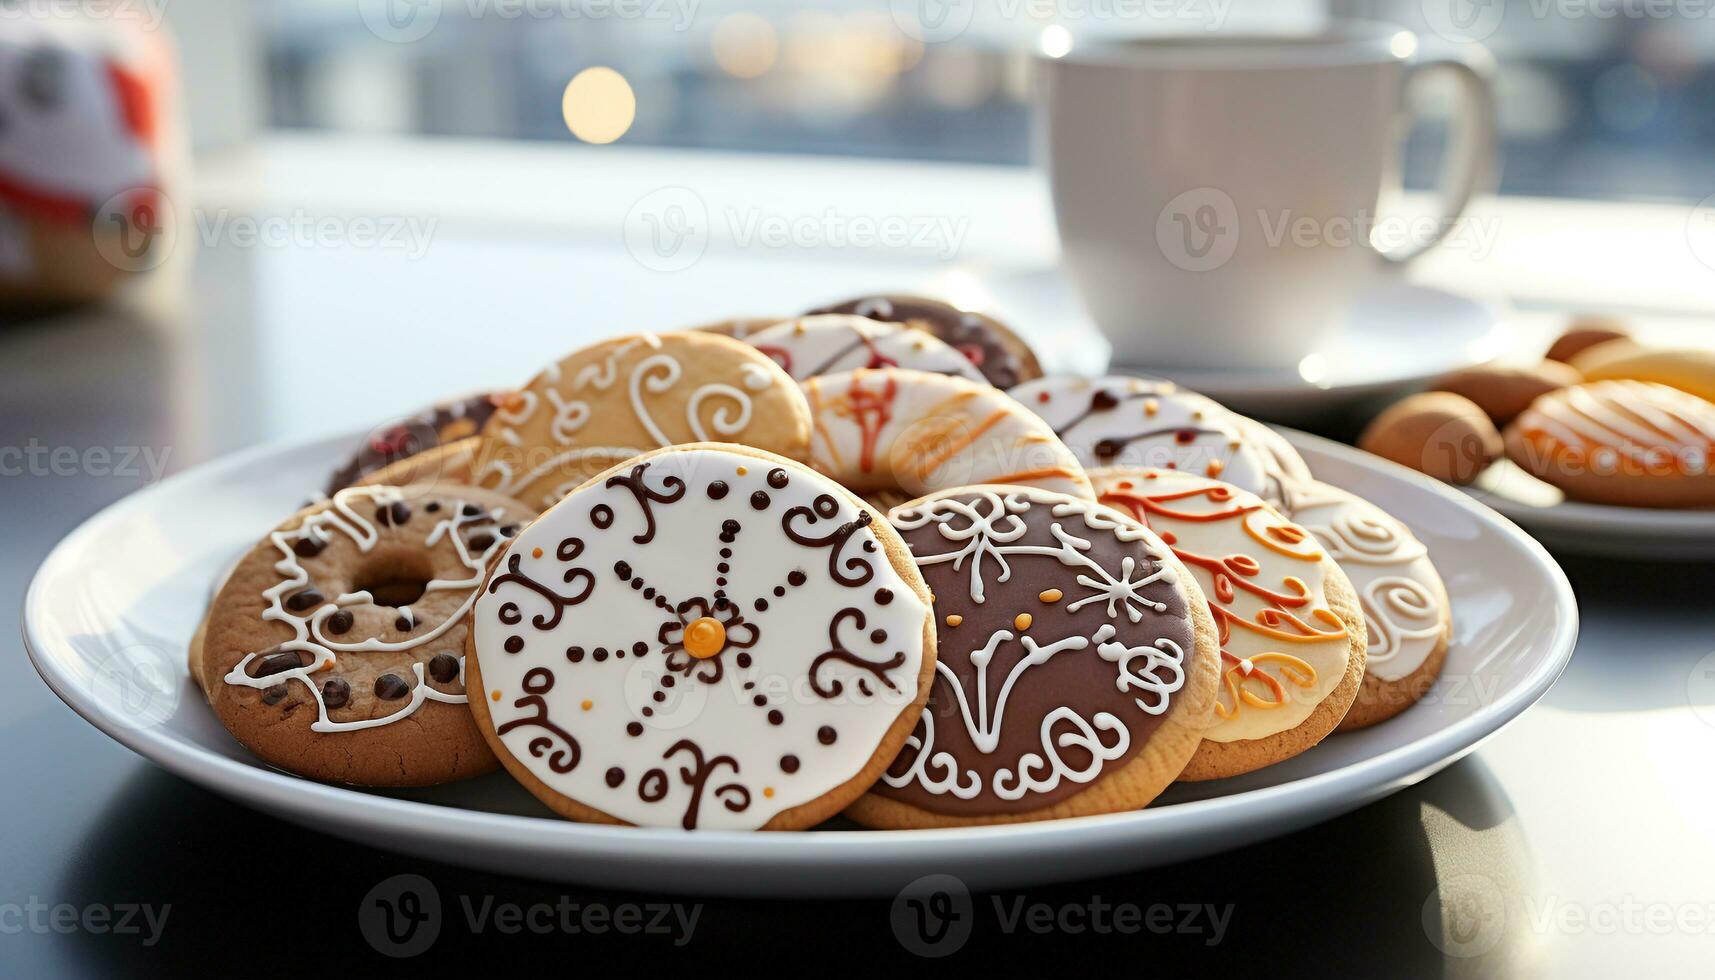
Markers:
{"x": 1470, "y": 158}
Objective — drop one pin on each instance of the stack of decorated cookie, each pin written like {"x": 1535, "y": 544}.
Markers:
{"x": 868, "y": 560}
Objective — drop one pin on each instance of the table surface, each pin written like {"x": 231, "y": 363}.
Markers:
{"x": 1580, "y": 840}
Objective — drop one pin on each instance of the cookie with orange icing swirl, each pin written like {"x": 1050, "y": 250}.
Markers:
{"x": 1632, "y": 443}
{"x": 1293, "y": 638}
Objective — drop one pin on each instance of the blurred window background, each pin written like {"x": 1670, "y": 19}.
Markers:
{"x": 1598, "y": 98}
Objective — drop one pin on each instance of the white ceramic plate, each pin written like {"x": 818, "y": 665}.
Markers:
{"x": 1643, "y": 533}
{"x": 1394, "y": 337}
{"x": 109, "y": 614}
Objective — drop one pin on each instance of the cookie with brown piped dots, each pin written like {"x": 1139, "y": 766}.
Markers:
{"x": 708, "y": 636}
{"x": 335, "y": 649}
{"x": 1120, "y": 421}
{"x": 830, "y": 343}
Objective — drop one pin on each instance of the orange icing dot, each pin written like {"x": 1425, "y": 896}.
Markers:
{"x": 1215, "y": 467}
{"x": 587, "y": 705}
{"x": 535, "y": 552}
{"x": 495, "y": 696}
{"x": 705, "y": 637}
{"x": 1022, "y": 621}
{"x": 954, "y": 619}
{"x": 768, "y": 791}
{"x": 743, "y": 470}
{"x": 1051, "y": 595}
{"x": 1151, "y": 407}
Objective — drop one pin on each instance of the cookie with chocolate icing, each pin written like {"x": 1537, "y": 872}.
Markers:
{"x": 1076, "y": 663}
{"x": 1292, "y": 635}
{"x": 999, "y": 353}
{"x": 439, "y": 425}
{"x": 708, "y": 636}
{"x": 830, "y": 343}
{"x": 1408, "y": 618}
{"x": 335, "y": 650}
{"x": 613, "y": 400}
{"x": 1121, "y": 421}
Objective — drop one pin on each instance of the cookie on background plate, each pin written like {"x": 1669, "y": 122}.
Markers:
{"x": 1000, "y": 354}
{"x": 443, "y": 424}
{"x": 895, "y": 434}
{"x": 1121, "y": 421}
{"x": 708, "y": 636}
{"x": 613, "y": 400}
{"x": 1408, "y": 618}
{"x": 1076, "y": 663}
{"x": 831, "y": 343}
{"x": 335, "y": 649}
{"x": 1291, "y": 631}
{"x": 1629, "y": 443}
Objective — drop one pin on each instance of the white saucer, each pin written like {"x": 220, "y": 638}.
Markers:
{"x": 110, "y": 612}
{"x": 1644, "y": 533}
{"x": 1396, "y": 336}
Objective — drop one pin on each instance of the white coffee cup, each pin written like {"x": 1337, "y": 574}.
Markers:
{"x": 1217, "y": 197}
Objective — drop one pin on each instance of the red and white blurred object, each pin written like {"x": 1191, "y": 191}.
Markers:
{"x": 90, "y": 156}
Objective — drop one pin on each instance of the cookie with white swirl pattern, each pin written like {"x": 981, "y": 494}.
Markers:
{"x": 829, "y": 343}
{"x": 335, "y": 649}
{"x": 613, "y": 400}
{"x": 1407, "y": 614}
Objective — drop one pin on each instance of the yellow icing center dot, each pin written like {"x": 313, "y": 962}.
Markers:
{"x": 705, "y": 637}
{"x": 742, "y": 471}
{"x": 1051, "y": 595}
{"x": 954, "y": 619}
{"x": 1022, "y": 621}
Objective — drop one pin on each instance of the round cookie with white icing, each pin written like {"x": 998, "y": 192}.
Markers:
{"x": 1407, "y": 615}
{"x": 1076, "y": 663}
{"x": 1291, "y": 632}
{"x": 614, "y": 400}
{"x": 708, "y": 636}
{"x": 1120, "y": 421}
{"x": 1000, "y": 354}
{"x": 335, "y": 649}
{"x": 903, "y": 434}
{"x": 830, "y": 343}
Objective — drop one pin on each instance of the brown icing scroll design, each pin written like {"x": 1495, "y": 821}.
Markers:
{"x": 854, "y": 570}
{"x": 568, "y": 551}
{"x": 652, "y": 788}
{"x": 828, "y": 689}
{"x": 561, "y": 750}
{"x": 673, "y": 490}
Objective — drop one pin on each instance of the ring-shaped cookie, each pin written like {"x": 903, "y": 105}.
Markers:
{"x": 895, "y": 434}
